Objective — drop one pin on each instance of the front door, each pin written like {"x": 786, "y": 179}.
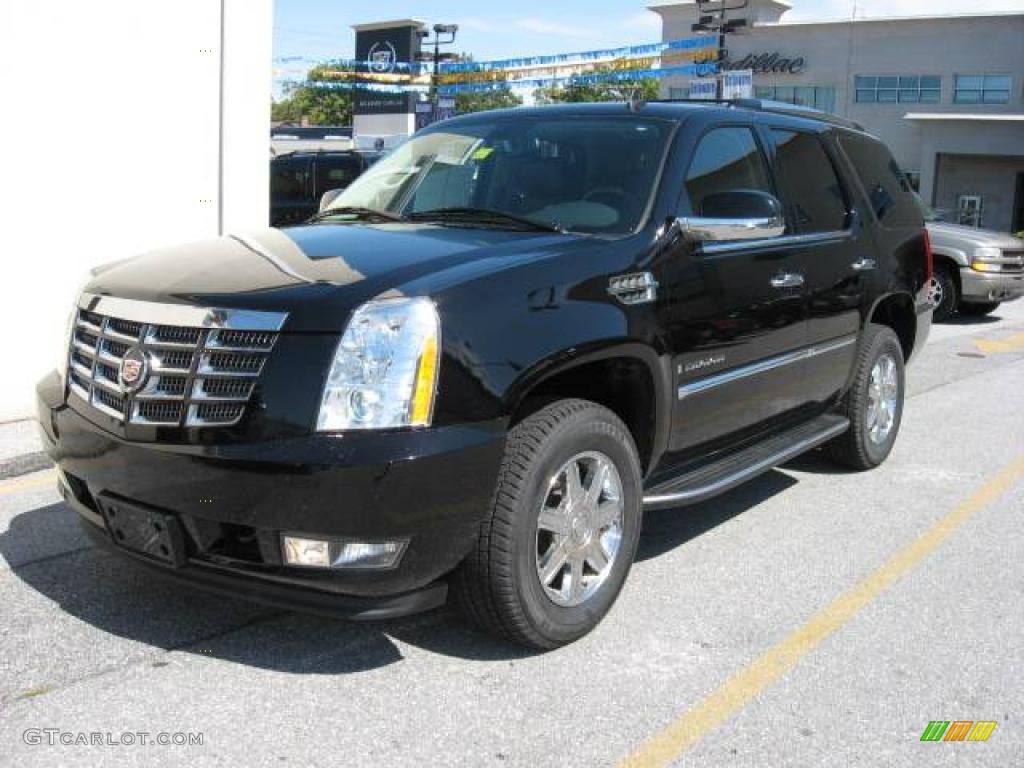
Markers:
{"x": 736, "y": 310}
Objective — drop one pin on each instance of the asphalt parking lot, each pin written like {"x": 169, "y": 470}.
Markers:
{"x": 812, "y": 617}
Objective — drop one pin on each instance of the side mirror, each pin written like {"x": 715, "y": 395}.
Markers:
{"x": 739, "y": 214}
{"x": 329, "y": 197}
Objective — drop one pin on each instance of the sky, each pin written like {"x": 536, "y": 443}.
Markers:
{"x": 321, "y": 29}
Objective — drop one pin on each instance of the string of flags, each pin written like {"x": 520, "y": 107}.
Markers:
{"x": 688, "y": 56}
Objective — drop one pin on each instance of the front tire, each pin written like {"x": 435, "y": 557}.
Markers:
{"x": 874, "y": 403}
{"x": 979, "y": 309}
{"x": 943, "y": 293}
{"x": 562, "y": 531}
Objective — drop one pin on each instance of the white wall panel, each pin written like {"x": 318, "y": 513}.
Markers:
{"x": 110, "y": 138}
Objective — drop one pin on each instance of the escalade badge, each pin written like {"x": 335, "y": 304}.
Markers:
{"x": 134, "y": 370}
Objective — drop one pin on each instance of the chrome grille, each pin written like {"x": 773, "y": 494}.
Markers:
{"x": 198, "y": 376}
{"x": 1013, "y": 261}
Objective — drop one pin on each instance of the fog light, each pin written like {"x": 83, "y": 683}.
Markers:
{"x": 365, "y": 554}
{"x": 340, "y": 553}
{"x": 309, "y": 552}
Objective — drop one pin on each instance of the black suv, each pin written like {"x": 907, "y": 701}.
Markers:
{"x": 299, "y": 180}
{"x": 475, "y": 370}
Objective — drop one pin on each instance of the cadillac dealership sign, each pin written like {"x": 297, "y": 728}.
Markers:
{"x": 767, "y": 64}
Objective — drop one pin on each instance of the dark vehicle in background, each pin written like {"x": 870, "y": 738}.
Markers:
{"x": 473, "y": 372}
{"x": 299, "y": 181}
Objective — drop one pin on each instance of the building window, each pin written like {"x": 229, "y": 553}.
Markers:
{"x": 821, "y": 97}
{"x": 679, "y": 94}
{"x": 968, "y": 210}
{"x": 981, "y": 89}
{"x": 890, "y": 89}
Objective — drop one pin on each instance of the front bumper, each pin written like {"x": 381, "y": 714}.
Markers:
{"x": 990, "y": 286}
{"x": 429, "y": 487}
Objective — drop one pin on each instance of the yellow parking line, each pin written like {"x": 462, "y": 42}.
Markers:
{"x": 37, "y": 480}
{"x": 681, "y": 734}
{"x": 1008, "y": 344}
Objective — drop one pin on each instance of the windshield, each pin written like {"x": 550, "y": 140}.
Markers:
{"x": 593, "y": 175}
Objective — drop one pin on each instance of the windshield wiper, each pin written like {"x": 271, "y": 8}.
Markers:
{"x": 484, "y": 216}
{"x": 357, "y": 212}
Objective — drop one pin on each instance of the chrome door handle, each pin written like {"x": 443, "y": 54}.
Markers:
{"x": 787, "y": 280}
{"x": 863, "y": 264}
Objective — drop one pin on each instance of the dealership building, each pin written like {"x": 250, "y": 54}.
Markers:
{"x": 946, "y": 93}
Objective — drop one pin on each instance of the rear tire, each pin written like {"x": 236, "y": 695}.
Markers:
{"x": 512, "y": 584}
{"x": 943, "y": 293}
{"x": 874, "y": 403}
{"x": 978, "y": 310}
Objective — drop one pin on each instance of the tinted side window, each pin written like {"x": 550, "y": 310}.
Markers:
{"x": 887, "y": 187}
{"x": 335, "y": 173}
{"x": 289, "y": 178}
{"x": 726, "y": 159}
{"x": 811, "y": 189}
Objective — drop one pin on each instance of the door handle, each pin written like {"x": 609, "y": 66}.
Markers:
{"x": 863, "y": 264}
{"x": 787, "y": 280}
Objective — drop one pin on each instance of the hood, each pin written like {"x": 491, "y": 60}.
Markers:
{"x": 317, "y": 273}
{"x": 963, "y": 238}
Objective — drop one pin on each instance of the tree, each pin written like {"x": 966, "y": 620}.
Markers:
{"x": 478, "y": 101}
{"x": 323, "y": 106}
{"x": 579, "y": 89}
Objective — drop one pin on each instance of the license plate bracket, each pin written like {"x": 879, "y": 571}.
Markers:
{"x": 144, "y": 531}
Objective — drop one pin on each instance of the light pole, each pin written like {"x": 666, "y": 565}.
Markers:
{"x": 709, "y": 23}
{"x": 444, "y": 34}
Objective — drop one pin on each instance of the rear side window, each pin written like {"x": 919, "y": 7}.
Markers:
{"x": 726, "y": 159}
{"x": 810, "y": 188}
{"x": 888, "y": 190}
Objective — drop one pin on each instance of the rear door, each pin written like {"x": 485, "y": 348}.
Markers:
{"x": 735, "y": 324}
{"x": 831, "y": 249}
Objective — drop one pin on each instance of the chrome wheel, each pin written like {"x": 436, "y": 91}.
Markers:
{"x": 579, "y": 528}
{"x": 883, "y": 399}
{"x": 936, "y": 293}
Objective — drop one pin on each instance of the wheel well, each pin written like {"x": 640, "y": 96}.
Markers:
{"x": 623, "y": 385}
{"x": 897, "y": 312}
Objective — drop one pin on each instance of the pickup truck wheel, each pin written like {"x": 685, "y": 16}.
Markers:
{"x": 978, "y": 309}
{"x": 562, "y": 531}
{"x": 874, "y": 403}
{"x": 942, "y": 293}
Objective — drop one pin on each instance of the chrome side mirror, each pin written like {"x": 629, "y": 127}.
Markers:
{"x": 329, "y": 197}
{"x": 741, "y": 214}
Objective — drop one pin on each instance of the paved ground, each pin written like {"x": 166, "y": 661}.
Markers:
{"x": 813, "y": 617}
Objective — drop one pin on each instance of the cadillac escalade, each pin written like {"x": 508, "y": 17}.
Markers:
{"x": 472, "y": 372}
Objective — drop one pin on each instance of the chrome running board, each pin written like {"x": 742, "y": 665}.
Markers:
{"x": 738, "y": 467}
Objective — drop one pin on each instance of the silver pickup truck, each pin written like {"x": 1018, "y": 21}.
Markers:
{"x": 975, "y": 269}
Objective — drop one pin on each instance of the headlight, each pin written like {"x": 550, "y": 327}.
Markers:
{"x": 384, "y": 371}
{"x": 987, "y": 253}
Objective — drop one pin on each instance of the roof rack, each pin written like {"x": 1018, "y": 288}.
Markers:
{"x": 775, "y": 107}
